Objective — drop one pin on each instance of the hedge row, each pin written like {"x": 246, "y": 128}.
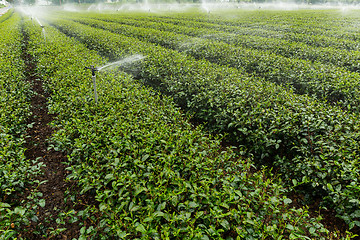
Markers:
{"x": 307, "y": 140}
{"x": 6, "y": 16}
{"x": 16, "y": 172}
{"x": 315, "y": 28}
{"x": 338, "y": 57}
{"x": 152, "y": 174}
{"x": 328, "y": 82}
{"x": 337, "y": 38}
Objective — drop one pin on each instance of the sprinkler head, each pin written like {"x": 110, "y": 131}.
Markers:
{"x": 93, "y": 69}
{"x": 42, "y": 26}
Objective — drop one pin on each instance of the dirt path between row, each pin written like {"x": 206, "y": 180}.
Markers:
{"x": 55, "y": 173}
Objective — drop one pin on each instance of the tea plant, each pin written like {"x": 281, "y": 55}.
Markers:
{"x": 314, "y": 28}
{"x": 299, "y": 135}
{"x": 16, "y": 172}
{"x": 324, "y": 81}
{"x": 285, "y": 47}
{"x": 153, "y": 175}
{"x": 6, "y": 16}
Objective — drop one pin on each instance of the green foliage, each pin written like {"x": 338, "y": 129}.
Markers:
{"x": 307, "y": 140}
{"x": 153, "y": 175}
{"x": 324, "y": 81}
{"x": 6, "y": 16}
{"x": 16, "y": 172}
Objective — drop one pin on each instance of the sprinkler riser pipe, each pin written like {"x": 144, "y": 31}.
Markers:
{"x": 93, "y": 73}
{"x": 95, "y": 92}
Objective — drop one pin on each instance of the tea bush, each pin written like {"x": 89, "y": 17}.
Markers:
{"x": 310, "y": 142}
{"x": 152, "y": 174}
{"x": 16, "y": 172}
{"x": 324, "y": 81}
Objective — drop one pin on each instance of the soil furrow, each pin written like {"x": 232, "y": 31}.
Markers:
{"x": 54, "y": 171}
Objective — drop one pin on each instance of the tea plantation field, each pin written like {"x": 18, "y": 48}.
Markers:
{"x": 236, "y": 124}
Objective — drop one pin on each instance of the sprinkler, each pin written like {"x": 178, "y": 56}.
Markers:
{"x": 121, "y": 62}
{"x": 93, "y": 72}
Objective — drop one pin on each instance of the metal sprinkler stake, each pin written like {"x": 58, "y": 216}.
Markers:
{"x": 93, "y": 71}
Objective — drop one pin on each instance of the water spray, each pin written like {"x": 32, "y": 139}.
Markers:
{"x": 38, "y": 21}
{"x": 124, "y": 61}
{"x": 121, "y": 62}
{"x": 43, "y": 32}
{"x": 93, "y": 72}
{"x": 42, "y": 27}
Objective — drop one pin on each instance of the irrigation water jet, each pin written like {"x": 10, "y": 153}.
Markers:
{"x": 38, "y": 21}
{"x": 42, "y": 27}
{"x": 93, "y": 73}
{"x": 43, "y": 32}
{"x": 123, "y": 61}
